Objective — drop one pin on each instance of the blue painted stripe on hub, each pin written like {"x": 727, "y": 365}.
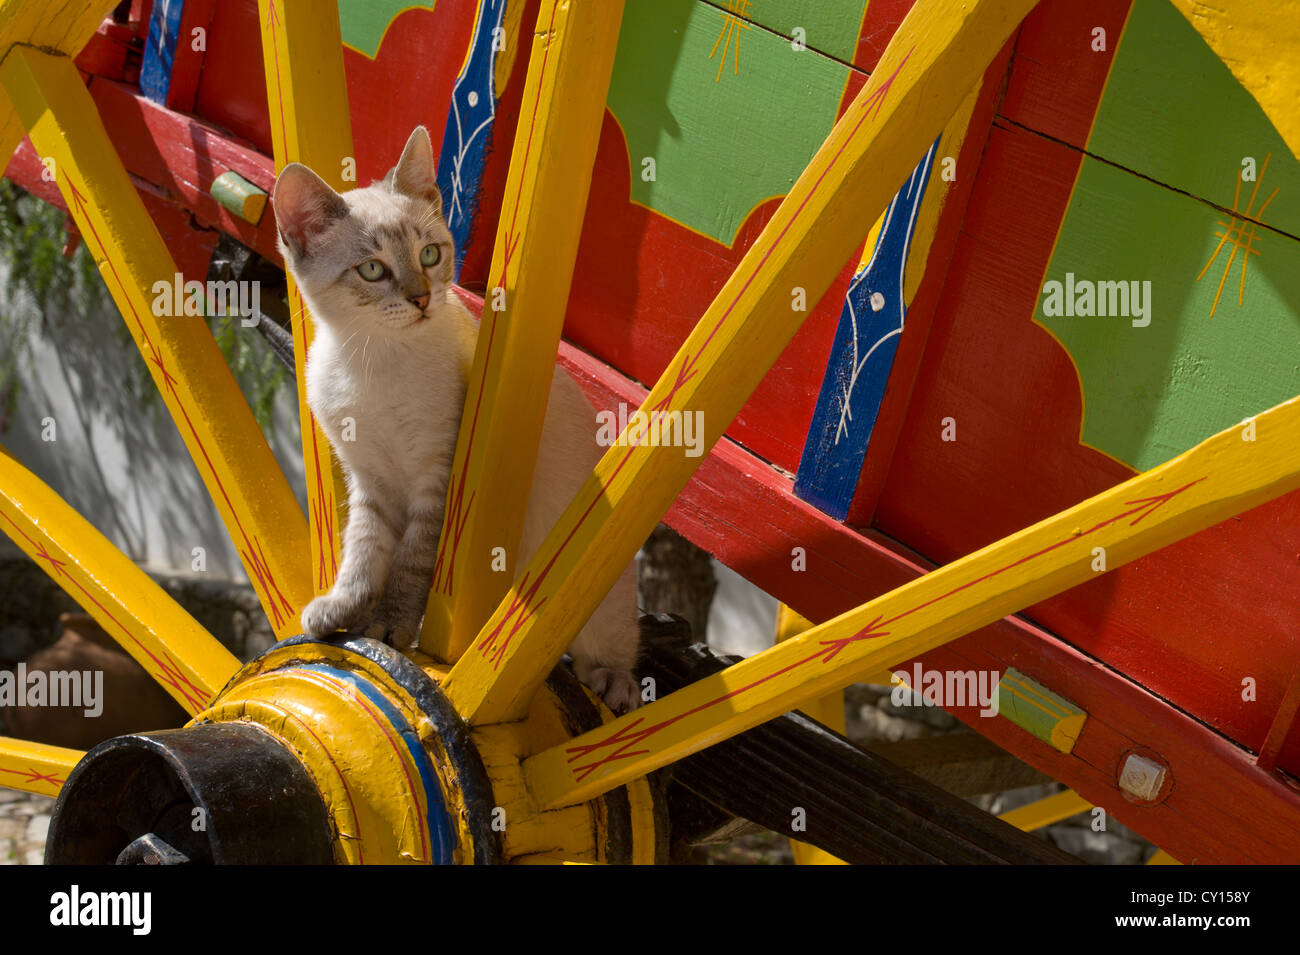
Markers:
{"x": 442, "y": 838}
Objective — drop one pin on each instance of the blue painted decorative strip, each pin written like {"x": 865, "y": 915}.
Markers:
{"x": 469, "y": 128}
{"x": 861, "y": 358}
{"x": 160, "y": 49}
{"x": 442, "y": 839}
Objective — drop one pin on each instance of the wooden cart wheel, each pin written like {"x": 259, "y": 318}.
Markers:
{"x": 474, "y": 748}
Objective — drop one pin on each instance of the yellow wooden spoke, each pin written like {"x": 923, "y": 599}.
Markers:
{"x": 307, "y": 92}
{"x": 230, "y": 451}
{"x": 1162, "y": 858}
{"x": 827, "y": 710}
{"x": 183, "y": 657}
{"x": 28, "y": 23}
{"x": 1046, "y": 811}
{"x": 1257, "y": 42}
{"x": 532, "y": 265}
{"x": 35, "y": 767}
{"x": 1224, "y": 475}
{"x": 935, "y": 58}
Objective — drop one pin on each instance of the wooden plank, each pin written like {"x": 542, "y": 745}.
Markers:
{"x": 302, "y": 55}
{"x": 35, "y": 767}
{"x": 935, "y": 59}
{"x": 173, "y": 648}
{"x": 30, "y": 24}
{"x": 183, "y": 157}
{"x": 1221, "y": 477}
{"x": 251, "y": 494}
{"x": 964, "y": 764}
{"x": 546, "y": 199}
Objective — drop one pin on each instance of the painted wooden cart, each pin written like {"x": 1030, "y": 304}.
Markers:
{"x": 986, "y": 309}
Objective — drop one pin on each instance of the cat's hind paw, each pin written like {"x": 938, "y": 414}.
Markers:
{"x": 400, "y": 636}
{"x": 618, "y": 688}
{"x": 329, "y": 613}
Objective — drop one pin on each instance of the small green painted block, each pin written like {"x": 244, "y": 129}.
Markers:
{"x": 1037, "y": 710}
{"x": 239, "y": 196}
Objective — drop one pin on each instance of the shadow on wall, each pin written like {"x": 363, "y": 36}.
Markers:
{"x": 120, "y": 462}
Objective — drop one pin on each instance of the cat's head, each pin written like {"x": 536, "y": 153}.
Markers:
{"x": 376, "y": 260}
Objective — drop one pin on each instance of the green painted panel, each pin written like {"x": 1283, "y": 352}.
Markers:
{"x": 1152, "y": 392}
{"x": 363, "y": 22}
{"x": 1173, "y": 112}
{"x": 728, "y": 111}
{"x": 830, "y": 26}
{"x": 1223, "y": 341}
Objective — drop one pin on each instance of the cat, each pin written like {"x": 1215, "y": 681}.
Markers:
{"x": 392, "y": 352}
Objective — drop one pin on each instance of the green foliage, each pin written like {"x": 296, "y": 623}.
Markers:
{"x": 70, "y": 299}
{"x": 31, "y": 250}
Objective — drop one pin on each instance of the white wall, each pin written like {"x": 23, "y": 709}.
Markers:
{"x": 121, "y": 465}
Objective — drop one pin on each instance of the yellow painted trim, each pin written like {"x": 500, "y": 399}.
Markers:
{"x": 536, "y": 246}
{"x": 805, "y": 854}
{"x": 1046, "y": 811}
{"x": 827, "y": 710}
{"x": 173, "y": 648}
{"x": 1220, "y": 477}
{"x": 307, "y": 96}
{"x": 250, "y": 493}
{"x": 30, "y": 23}
{"x": 1162, "y": 858}
{"x": 935, "y": 58}
{"x": 35, "y": 767}
{"x": 1259, "y": 43}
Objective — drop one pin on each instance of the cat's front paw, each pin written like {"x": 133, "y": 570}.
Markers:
{"x": 329, "y": 613}
{"x": 618, "y": 688}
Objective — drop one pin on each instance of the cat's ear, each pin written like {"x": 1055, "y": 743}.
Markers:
{"x": 414, "y": 175}
{"x": 305, "y": 206}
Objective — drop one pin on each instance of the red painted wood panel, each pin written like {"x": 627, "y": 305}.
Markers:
{"x": 1190, "y": 622}
{"x": 1222, "y": 807}
{"x": 181, "y": 157}
{"x": 1056, "y": 78}
{"x": 920, "y": 314}
{"x": 232, "y": 87}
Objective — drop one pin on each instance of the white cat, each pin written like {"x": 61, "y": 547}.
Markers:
{"x": 392, "y": 352}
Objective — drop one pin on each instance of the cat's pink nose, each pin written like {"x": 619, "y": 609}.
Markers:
{"x": 419, "y": 301}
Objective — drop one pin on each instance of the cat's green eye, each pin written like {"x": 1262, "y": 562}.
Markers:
{"x": 372, "y": 271}
{"x": 430, "y": 255}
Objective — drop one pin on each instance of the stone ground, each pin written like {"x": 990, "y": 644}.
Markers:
{"x": 24, "y": 821}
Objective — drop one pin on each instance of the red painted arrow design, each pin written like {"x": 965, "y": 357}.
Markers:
{"x": 272, "y": 21}
{"x": 33, "y": 776}
{"x": 619, "y": 744}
